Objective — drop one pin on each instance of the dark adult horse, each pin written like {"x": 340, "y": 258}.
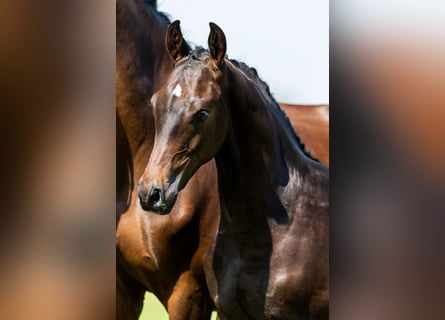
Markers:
{"x": 270, "y": 256}
{"x": 162, "y": 254}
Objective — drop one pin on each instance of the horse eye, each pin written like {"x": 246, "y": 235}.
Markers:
{"x": 202, "y": 115}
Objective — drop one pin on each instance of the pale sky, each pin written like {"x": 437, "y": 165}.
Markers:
{"x": 287, "y": 41}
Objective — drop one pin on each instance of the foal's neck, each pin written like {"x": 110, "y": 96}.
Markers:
{"x": 259, "y": 154}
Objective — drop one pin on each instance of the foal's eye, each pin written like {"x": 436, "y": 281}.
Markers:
{"x": 201, "y": 115}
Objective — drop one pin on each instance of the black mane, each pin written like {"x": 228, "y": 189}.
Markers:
{"x": 253, "y": 75}
{"x": 164, "y": 16}
{"x": 154, "y": 5}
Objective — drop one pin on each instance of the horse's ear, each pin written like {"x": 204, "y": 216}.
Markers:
{"x": 217, "y": 44}
{"x": 176, "y": 45}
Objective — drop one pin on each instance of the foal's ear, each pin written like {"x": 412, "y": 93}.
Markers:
{"x": 217, "y": 44}
{"x": 176, "y": 45}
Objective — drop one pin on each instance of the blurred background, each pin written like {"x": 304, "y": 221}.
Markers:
{"x": 387, "y": 164}
{"x": 57, "y": 163}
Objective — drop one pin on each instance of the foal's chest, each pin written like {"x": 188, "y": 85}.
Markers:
{"x": 241, "y": 291}
{"x": 262, "y": 280}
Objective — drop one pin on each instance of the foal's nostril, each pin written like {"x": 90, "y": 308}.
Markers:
{"x": 155, "y": 196}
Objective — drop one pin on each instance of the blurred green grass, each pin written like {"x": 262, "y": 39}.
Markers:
{"x": 154, "y": 310}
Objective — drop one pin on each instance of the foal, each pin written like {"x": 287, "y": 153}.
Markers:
{"x": 270, "y": 256}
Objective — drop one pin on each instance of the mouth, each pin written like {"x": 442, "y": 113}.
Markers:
{"x": 159, "y": 198}
{"x": 162, "y": 207}
{"x": 156, "y": 200}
